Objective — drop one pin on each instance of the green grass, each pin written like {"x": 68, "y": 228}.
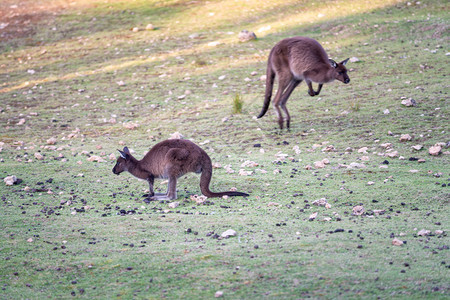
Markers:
{"x": 94, "y": 237}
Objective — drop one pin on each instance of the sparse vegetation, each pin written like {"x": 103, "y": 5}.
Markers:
{"x": 78, "y": 82}
{"x": 237, "y": 104}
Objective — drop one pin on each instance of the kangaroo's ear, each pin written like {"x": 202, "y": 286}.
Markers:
{"x": 333, "y": 63}
{"x": 125, "y": 149}
{"x": 345, "y": 61}
{"x": 123, "y": 154}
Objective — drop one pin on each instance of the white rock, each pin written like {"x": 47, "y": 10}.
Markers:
{"x": 38, "y": 156}
{"x": 424, "y": 232}
{"x": 273, "y": 204}
{"x": 354, "y": 59}
{"x": 245, "y": 36}
{"x": 405, "y": 138}
{"x": 218, "y": 294}
{"x": 370, "y": 183}
{"x": 435, "y": 150}
{"x": 319, "y": 164}
{"x": 228, "y": 233}
{"x": 149, "y": 27}
{"x": 362, "y": 150}
{"x": 10, "y": 180}
{"x": 312, "y": 216}
{"x": 409, "y": 102}
{"x": 386, "y": 111}
{"x": 320, "y": 202}
{"x": 397, "y": 242}
{"x": 175, "y": 135}
{"x": 358, "y": 210}
{"x": 417, "y": 147}
{"x": 174, "y": 204}
{"x": 51, "y": 141}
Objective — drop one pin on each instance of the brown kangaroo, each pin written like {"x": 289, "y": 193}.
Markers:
{"x": 293, "y": 60}
{"x": 170, "y": 159}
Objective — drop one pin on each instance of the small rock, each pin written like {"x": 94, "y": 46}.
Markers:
{"x": 354, "y": 59}
{"x": 121, "y": 83}
{"x": 175, "y": 135}
{"x": 320, "y": 202}
{"x": 228, "y": 233}
{"x": 424, "y": 232}
{"x": 435, "y": 150}
{"x": 245, "y": 36}
{"x": 218, "y": 294}
{"x": 397, "y": 242}
{"x": 51, "y": 141}
{"x": 273, "y": 204}
{"x": 386, "y": 111}
{"x": 421, "y": 160}
{"x": 405, "y": 138}
{"x": 363, "y": 150}
{"x": 409, "y": 102}
{"x": 174, "y": 204}
{"x": 358, "y": 210}
{"x": 319, "y": 164}
{"x": 38, "y": 156}
{"x": 135, "y": 29}
{"x": 370, "y": 183}
{"x": 10, "y": 180}
{"x": 417, "y": 147}
{"x": 149, "y": 27}
{"x": 438, "y": 232}
{"x": 30, "y": 240}
{"x": 312, "y": 216}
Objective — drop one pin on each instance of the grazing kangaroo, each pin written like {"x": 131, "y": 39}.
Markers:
{"x": 170, "y": 159}
{"x": 293, "y": 60}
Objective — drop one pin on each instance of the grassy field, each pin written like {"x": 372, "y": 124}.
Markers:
{"x": 80, "y": 79}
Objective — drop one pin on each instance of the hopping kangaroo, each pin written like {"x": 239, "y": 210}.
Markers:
{"x": 293, "y": 60}
{"x": 170, "y": 159}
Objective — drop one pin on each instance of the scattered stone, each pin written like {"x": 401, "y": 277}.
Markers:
{"x": 30, "y": 240}
{"x": 397, "y": 242}
{"x": 409, "y": 102}
{"x": 417, "y": 147}
{"x": 245, "y": 36}
{"x": 218, "y": 294}
{"x": 370, "y": 183}
{"x": 228, "y": 233}
{"x": 435, "y": 150}
{"x": 249, "y": 163}
{"x": 175, "y": 135}
{"x": 358, "y": 210}
{"x": 243, "y": 172}
{"x": 386, "y": 111}
{"x": 121, "y": 83}
{"x": 312, "y": 216}
{"x": 386, "y": 145}
{"x": 354, "y": 59}
{"x": 130, "y": 125}
{"x": 349, "y": 150}
{"x": 319, "y": 164}
{"x": 38, "y": 156}
{"x": 356, "y": 165}
{"x": 421, "y": 160}
{"x": 273, "y": 204}
{"x": 96, "y": 158}
{"x": 199, "y": 199}
{"x": 51, "y": 141}
{"x": 10, "y": 180}
{"x": 320, "y": 202}
{"x": 405, "y": 138}
{"x": 149, "y": 27}
{"x": 438, "y": 232}
{"x": 329, "y": 148}
{"x": 363, "y": 150}
{"x": 424, "y": 232}
{"x": 392, "y": 154}
{"x": 174, "y": 204}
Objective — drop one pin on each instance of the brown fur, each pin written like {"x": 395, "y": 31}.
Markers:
{"x": 293, "y": 60}
{"x": 170, "y": 159}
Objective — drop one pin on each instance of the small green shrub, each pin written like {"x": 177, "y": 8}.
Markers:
{"x": 237, "y": 104}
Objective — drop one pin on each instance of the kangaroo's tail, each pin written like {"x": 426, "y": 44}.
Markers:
{"x": 205, "y": 179}
{"x": 270, "y": 77}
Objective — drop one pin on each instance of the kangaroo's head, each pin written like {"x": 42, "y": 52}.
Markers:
{"x": 122, "y": 162}
{"x": 340, "y": 70}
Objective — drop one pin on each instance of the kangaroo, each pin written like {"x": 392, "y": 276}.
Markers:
{"x": 170, "y": 159}
{"x": 293, "y": 60}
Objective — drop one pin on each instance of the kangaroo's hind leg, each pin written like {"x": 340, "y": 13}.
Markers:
{"x": 284, "y": 98}
{"x": 283, "y": 83}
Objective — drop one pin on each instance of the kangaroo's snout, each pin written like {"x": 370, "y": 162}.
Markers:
{"x": 347, "y": 80}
